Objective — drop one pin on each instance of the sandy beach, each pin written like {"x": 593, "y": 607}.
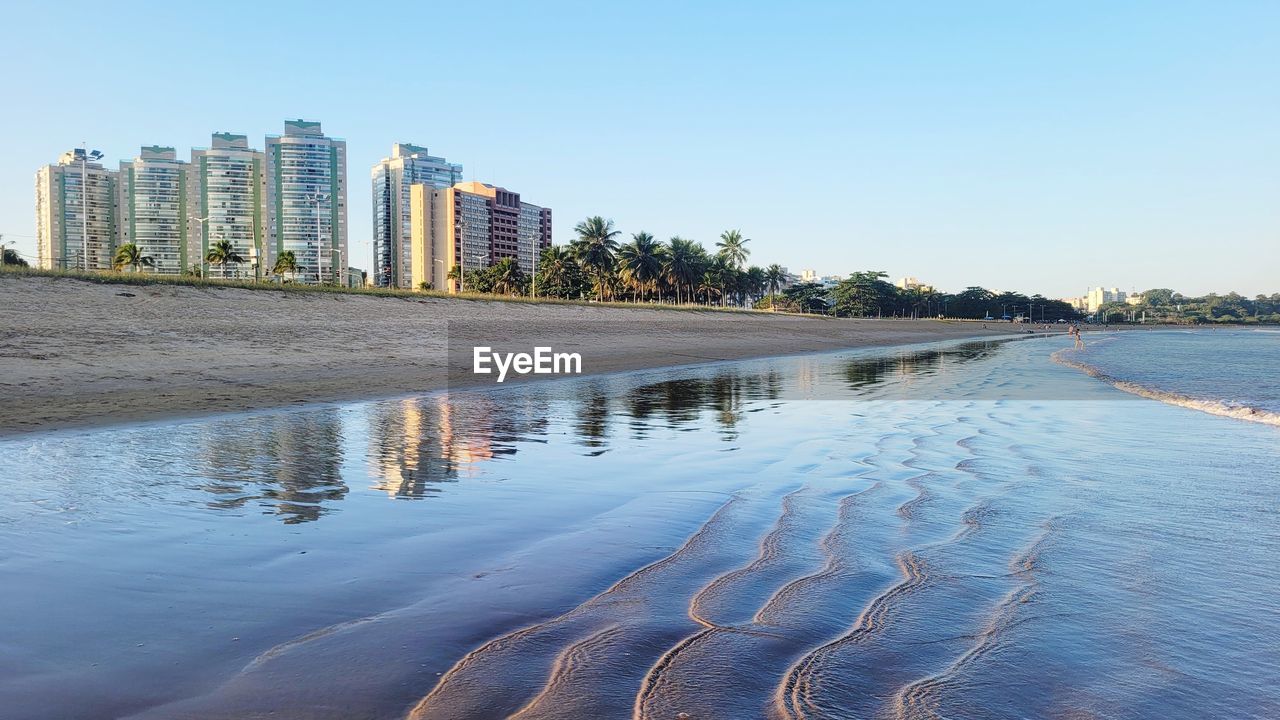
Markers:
{"x": 78, "y": 354}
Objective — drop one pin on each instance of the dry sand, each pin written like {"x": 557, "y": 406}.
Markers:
{"x": 74, "y": 353}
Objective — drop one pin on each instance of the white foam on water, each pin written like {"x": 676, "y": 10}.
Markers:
{"x": 1213, "y": 407}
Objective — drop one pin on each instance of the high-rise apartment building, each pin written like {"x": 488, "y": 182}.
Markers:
{"x": 226, "y": 200}
{"x": 912, "y": 283}
{"x": 75, "y": 213}
{"x": 1099, "y": 296}
{"x": 306, "y": 202}
{"x": 392, "y": 177}
{"x": 472, "y": 225}
{"x": 153, "y": 208}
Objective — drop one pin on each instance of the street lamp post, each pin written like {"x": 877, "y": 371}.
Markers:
{"x": 337, "y": 272}
{"x": 85, "y": 156}
{"x": 462, "y": 269}
{"x": 443, "y": 271}
{"x": 222, "y": 271}
{"x": 203, "y": 270}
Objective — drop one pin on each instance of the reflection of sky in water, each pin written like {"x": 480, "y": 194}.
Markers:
{"x": 298, "y": 465}
{"x": 1070, "y": 550}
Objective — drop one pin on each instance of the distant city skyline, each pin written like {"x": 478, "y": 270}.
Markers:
{"x": 1015, "y": 147}
{"x": 292, "y": 199}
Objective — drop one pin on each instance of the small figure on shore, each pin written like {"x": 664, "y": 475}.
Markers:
{"x": 1074, "y": 331}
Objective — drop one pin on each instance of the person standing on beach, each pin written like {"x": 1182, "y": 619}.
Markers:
{"x": 1074, "y": 331}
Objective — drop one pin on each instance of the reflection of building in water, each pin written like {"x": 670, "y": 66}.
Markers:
{"x": 464, "y": 439}
{"x": 405, "y": 459}
{"x": 806, "y": 376}
{"x": 417, "y": 444}
{"x": 289, "y": 462}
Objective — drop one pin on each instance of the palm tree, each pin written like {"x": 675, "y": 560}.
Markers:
{"x": 683, "y": 265}
{"x": 640, "y": 262}
{"x": 917, "y": 300}
{"x": 660, "y": 253}
{"x": 594, "y": 248}
{"x": 733, "y": 248}
{"x": 286, "y": 262}
{"x": 558, "y": 272}
{"x": 719, "y": 278}
{"x": 754, "y": 281}
{"x": 222, "y": 253}
{"x": 774, "y": 278}
{"x": 709, "y": 285}
{"x": 130, "y": 254}
{"x": 507, "y": 276}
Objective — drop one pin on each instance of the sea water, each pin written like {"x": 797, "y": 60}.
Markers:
{"x": 1226, "y": 371}
{"x": 963, "y": 531}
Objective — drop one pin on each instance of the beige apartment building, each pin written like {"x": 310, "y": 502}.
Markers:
{"x": 76, "y": 213}
{"x": 472, "y": 225}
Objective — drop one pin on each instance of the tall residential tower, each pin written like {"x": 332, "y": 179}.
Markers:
{"x": 75, "y": 213}
{"x": 153, "y": 208}
{"x": 227, "y": 201}
{"x": 306, "y": 182}
{"x": 392, "y": 177}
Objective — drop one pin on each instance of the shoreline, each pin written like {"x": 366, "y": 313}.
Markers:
{"x": 161, "y": 419}
{"x": 1209, "y": 406}
{"x": 78, "y": 355}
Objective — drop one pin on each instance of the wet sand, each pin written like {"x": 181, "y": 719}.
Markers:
{"x": 76, "y": 354}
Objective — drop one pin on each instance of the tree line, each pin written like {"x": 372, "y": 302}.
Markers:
{"x": 870, "y": 294}
{"x": 1162, "y": 305}
{"x": 599, "y": 265}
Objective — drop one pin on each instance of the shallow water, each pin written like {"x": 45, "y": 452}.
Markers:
{"x": 1225, "y": 371}
{"x": 954, "y": 531}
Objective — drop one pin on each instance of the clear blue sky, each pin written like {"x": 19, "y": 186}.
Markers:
{"x": 1029, "y": 146}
